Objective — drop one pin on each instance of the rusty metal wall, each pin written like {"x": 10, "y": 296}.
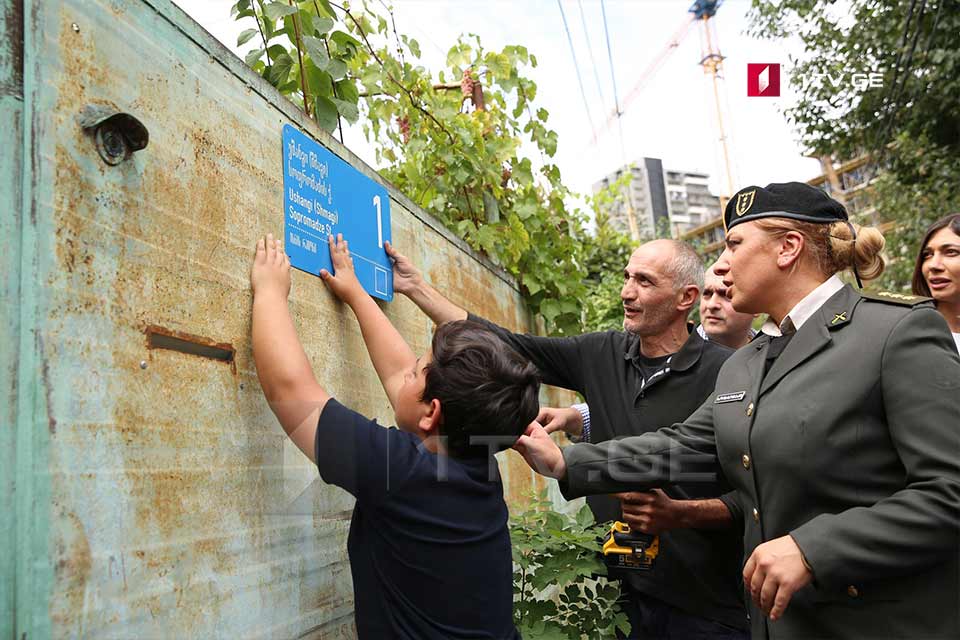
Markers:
{"x": 154, "y": 487}
{"x": 11, "y": 163}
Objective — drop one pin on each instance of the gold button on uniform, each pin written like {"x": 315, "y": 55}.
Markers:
{"x": 852, "y": 591}
{"x": 756, "y": 516}
{"x": 750, "y": 409}
{"x": 746, "y": 461}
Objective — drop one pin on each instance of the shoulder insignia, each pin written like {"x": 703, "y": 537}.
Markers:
{"x": 891, "y": 297}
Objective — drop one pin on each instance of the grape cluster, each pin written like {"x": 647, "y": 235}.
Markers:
{"x": 404, "y": 124}
{"x": 466, "y": 83}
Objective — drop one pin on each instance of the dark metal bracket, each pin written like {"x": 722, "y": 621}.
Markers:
{"x": 116, "y": 134}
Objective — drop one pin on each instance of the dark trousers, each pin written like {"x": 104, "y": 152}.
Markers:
{"x": 652, "y": 619}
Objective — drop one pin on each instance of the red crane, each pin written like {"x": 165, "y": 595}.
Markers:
{"x": 701, "y": 12}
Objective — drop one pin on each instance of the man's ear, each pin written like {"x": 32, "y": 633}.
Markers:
{"x": 791, "y": 247}
{"x": 430, "y": 421}
{"x": 688, "y": 296}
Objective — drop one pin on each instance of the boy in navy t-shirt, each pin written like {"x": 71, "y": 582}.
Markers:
{"x": 429, "y": 546}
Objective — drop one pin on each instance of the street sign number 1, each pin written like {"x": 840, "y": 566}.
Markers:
{"x": 376, "y": 203}
{"x": 323, "y": 195}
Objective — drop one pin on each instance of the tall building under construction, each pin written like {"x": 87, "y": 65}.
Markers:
{"x": 664, "y": 202}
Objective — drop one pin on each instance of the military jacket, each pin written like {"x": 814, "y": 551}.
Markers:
{"x": 697, "y": 571}
{"x": 850, "y": 444}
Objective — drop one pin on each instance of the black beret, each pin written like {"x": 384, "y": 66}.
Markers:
{"x": 794, "y": 200}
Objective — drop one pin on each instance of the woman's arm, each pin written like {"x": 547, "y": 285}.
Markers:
{"x": 685, "y": 452}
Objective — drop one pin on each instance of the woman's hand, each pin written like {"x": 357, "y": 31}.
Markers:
{"x": 541, "y": 452}
{"x": 775, "y": 571}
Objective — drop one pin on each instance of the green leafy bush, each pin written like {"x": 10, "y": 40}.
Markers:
{"x": 909, "y": 126}
{"x": 303, "y": 50}
{"x": 560, "y": 587}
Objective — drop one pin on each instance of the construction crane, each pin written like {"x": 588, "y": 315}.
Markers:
{"x": 701, "y": 12}
{"x": 649, "y": 71}
{"x": 712, "y": 62}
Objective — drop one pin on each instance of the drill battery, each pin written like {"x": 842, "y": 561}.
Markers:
{"x": 626, "y": 550}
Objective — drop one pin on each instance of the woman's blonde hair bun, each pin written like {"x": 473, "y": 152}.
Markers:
{"x": 865, "y": 253}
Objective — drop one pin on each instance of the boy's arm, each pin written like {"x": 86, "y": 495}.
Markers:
{"x": 389, "y": 352}
{"x": 285, "y": 375}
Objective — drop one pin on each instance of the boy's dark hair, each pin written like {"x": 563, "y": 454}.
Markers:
{"x": 488, "y": 394}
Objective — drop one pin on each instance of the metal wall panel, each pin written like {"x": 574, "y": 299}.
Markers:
{"x": 11, "y": 176}
{"x": 156, "y": 494}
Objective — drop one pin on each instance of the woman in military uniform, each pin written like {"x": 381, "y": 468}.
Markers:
{"x": 937, "y": 272}
{"x": 839, "y": 428}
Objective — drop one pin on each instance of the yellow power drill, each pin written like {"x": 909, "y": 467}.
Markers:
{"x": 626, "y": 550}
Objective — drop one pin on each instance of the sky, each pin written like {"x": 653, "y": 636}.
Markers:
{"x": 672, "y": 117}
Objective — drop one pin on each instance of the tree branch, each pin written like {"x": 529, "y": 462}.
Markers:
{"x": 413, "y": 101}
{"x": 396, "y": 36}
{"x": 303, "y": 74}
{"x": 333, "y": 86}
{"x": 466, "y": 197}
{"x": 262, "y": 37}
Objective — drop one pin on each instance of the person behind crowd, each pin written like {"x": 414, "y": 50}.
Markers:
{"x": 719, "y": 321}
{"x": 937, "y": 272}
{"x": 657, "y": 370}
{"x": 429, "y": 546}
{"x": 837, "y": 427}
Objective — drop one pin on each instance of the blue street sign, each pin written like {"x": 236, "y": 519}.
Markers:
{"x": 324, "y": 195}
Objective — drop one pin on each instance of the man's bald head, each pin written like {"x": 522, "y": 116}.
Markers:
{"x": 661, "y": 284}
{"x": 678, "y": 259}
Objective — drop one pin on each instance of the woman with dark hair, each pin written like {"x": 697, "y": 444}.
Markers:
{"x": 937, "y": 272}
{"x": 837, "y": 429}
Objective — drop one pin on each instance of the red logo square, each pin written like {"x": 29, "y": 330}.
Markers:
{"x": 763, "y": 80}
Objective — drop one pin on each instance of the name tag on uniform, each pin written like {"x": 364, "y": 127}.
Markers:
{"x": 735, "y": 396}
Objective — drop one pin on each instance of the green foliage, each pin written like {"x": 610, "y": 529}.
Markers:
{"x": 559, "y": 586}
{"x": 303, "y": 55}
{"x": 464, "y": 163}
{"x": 602, "y": 307}
{"x": 466, "y": 166}
{"x": 911, "y": 124}
{"x": 918, "y": 187}
{"x": 606, "y": 253}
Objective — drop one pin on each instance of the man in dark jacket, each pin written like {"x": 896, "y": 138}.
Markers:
{"x": 655, "y": 372}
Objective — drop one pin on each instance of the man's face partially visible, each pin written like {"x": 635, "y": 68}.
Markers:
{"x": 719, "y": 319}
{"x": 648, "y": 295}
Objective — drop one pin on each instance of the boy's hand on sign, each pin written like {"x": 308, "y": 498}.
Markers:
{"x": 271, "y": 268}
{"x": 540, "y": 452}
{"x": 344, "y": 283}
{"x": 566, "y": 419}
{"x": 406, "y": 277}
